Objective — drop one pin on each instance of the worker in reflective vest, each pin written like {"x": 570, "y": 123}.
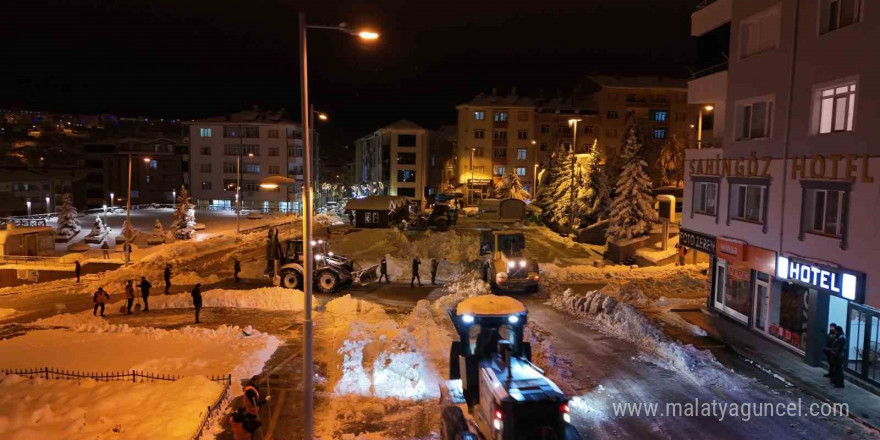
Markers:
{"x": 252, "y": 399}
{"x": 236, "y": 424}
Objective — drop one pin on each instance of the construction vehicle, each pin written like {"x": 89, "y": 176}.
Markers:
{"x": 440, "y": 218}
{"x": 506, "y": 266}
{"x": 490, "y": 370}
{"x": 331, "y": 272}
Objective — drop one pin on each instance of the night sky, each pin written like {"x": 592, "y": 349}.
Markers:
{"x": 189, "y": 59}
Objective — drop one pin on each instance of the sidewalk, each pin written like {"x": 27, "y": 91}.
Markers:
{"x": 864, "y": 404}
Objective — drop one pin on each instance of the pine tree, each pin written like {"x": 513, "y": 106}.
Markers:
{"x": 98, "y": 228}
{"x": 558, "y": 196}
{"x": 158, "y": 229}
{"x": 593, "y": 191}
{"x": 510, "y": 187}
{"x": 184, "y": 225}
{"x": 632, "y": 210}
{"x": 68, "y": 225}
{"x": 671, "y": 161}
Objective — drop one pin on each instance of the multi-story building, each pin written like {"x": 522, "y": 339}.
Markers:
{"x": 442, "y": 147}
{"x": 396, "y": 156}
{"x": 496, "y": 135}
{"x": 785, "y": 204}
{"x": 265, "y": 143}
{"x": 36, "y": 191}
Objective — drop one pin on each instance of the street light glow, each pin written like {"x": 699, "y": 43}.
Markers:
{"x": 574, "y": 121}
{"x": 709, "y": 108}
{"x": 146, "y": 160}
{"x": 368, "y": 35}
{"x": 323, "y": 116}
{"x": 269, "y": 185}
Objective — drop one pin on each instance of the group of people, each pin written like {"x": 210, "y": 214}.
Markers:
{"x": 836, "y": 353}
{"x": 416, "y": 262}
{"x": 101, "y": 296}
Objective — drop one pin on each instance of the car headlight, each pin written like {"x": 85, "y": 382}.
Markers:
{"x": 522, "y": 263}
{"x": 467, "y": 319}
{"x": 511, "y": 264}
{"x": 513, "y": 319}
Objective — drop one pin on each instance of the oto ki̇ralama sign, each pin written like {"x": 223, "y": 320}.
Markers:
{"x": 834, "y": 281}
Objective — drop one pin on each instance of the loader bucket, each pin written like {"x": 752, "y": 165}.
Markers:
{"x": 366, "y": 276}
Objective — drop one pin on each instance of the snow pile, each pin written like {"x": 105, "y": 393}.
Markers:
{"x": 192, "y": 278}
{"x": 266, "y": 298}
{"x": 5, "y": 313}
{"x": 86, "y": 410}
{"x": 451, "y": 294}
{"x": 624, "y": 321}
{"x": 188, "y": 351}
{"x": 69, "y": 320}
{"x": 568, "y": 274}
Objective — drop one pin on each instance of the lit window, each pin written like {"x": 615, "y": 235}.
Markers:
{"x": 660, "y": 116}
{"x": 705, "y": 195}
{"x": 250, "y": 168}
{"x": 479, "y": 115}
{"x": 754, "y": 119}
{"x": 660, "y": 133}
{"x": 230, "y": 131}
{"x": 205, "y": 132}
{"x": 499, "y": 171}
{"x": 836, "y": 108}
{"x": 521, "y": 171}
{"x": 500, "y": 116}
{"x": 748, "y": 202}
{"x": 521, "y": 154}
{"x": 149, "y": 178}
{"x": 154, "y": 164}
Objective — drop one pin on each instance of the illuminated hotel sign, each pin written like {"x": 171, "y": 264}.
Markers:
{"x": 833, "y": 281}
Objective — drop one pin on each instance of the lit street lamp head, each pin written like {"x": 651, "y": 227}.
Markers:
{"x": 709, "y": 108}
{"x": 368, "y": 35}
{"x": 147, "y": 160}
{"x": 323, "y": 116}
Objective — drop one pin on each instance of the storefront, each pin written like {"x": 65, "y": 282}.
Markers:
{"x": 741, "y": 278}
{"x": 478, "y": 189}
{"x": 695, "y": 247}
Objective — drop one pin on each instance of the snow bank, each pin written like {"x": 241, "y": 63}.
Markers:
{"x": 87, "y": 410}
{"x": 577, "y": 273}
{"x": 266, "y": 298}
{"x": 192, "y": 278}
{"x": 5, "y": 313}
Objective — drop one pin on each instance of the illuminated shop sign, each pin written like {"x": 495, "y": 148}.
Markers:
{"x": 834, "y": 281}
{"x": 695, "y": 240}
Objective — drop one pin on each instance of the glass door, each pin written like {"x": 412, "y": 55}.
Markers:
{"x": 762, "y": 301}
{"x": 856, "y": 332}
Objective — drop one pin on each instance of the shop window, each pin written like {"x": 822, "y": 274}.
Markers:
{"x": 824, "y": 208}
{"x": 748, "y": 201}
{"x": 733, "y": 291}
{"x": 705, "y": 198}
{"x": 789, "y": 312}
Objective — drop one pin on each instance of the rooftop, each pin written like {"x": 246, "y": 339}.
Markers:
{"x": 495, "y": 100}
{"x": 640, "y": 82}
{"x": 253, "y": 116}
{"x": 402, "y": 124}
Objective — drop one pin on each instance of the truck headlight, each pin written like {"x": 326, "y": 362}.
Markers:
{"x": 467, "y": 319}
{"x": 513, "y": 319}
{"x": 522, "y": 263}
{"x": 511, "y": 264}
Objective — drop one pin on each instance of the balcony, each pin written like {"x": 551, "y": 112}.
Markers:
{"x": 499, "y": 142}
{"x": 711, "y": 15}
{"x": 709, "y": 86}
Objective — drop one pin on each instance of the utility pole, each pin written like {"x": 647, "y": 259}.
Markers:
{"x": 573, "y": 123}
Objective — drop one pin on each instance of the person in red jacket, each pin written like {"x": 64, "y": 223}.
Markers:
{"x": 238, "y": 424}
{"x": 100, "y": 298}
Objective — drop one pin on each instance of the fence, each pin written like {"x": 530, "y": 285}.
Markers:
{"x": 134, "y": 376}
{"x": 22, "y": 221}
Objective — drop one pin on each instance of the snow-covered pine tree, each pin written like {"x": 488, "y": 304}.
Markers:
{"x": 559, "y": 205}
{"x": 593, "y": 190}
{"x": 671, "y": 161}
{"x": 184, "y": 225}
{"x": 544, "y": 196}
{"x": 68, "y": 225}
{"x": 632, "y": 210}
{"x": 510, "y": 187}
{"x": 158, "y": 229}
{"x": 99, "y": 228}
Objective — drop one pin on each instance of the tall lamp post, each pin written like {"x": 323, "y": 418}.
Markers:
{"x": 322, "y": 117}
{"x": 707, "y": 108}
{"x": 308, "y": 262}
{"x": 573, "y": 123}
{"x": 471, "y": 182}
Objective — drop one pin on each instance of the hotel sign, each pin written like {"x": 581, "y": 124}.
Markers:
{"x": 695, "y": 240}
{"x": 837, "y": 282}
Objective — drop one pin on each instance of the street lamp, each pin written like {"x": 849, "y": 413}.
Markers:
{"x": 308, "y": 257}
{"x": 48, "y": 211}
{"x": 111, "y": 199}
{"x": 29, "y": 207}
{"x": 707, "y": 108}
{"x": 128, "y": 200}
{"x": 573, "y": 123}
{"x": 322, "y": 117}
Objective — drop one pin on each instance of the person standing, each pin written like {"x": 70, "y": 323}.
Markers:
{"x": 351, "y": 218}
{"x": 383, "y": 270}
{"x": 829, "y": 343}
{"x": 126, "y": 248}
{"x": 145, "y": 293}
{"x": 197, "y": 300}
{"x": 167, "y": 278}
{"x": 237, "y": 425}
{"x": 839, "y": 349}
{"x": 415, "y": 272}
{"x": 253, "y": 401}
{"x": 77, "y": 268}
{"x": 129, "y": 296}
{"x": 434, "y": 265}
{"x": 99, "y": 298}
{"x": 106, "y": 248}
{"x": 270, "y": 253}
{"x": 236, "y": 269}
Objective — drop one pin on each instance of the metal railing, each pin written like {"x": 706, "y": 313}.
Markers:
{"x": 18, "y": 259}
{"x": 23, "y": 221}
{"x": 709, "y": 70}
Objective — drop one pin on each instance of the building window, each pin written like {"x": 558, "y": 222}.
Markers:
{"x": 406, "y": 175}
{"x": 230, "y": 167}
{"x": 205, "y": 150}
{"x": 477, "y": 152}
{"x": 611, "y": 132}
{"x": 522, "y": 134}
{"x": 272, "y": 133}
{"x": 836, "y": 108}
{"x": 499, "y": 171}
{"x": 274, "y": 151}
{"x": 406, "y": 140}
{"x": 835, "y": 14}
{"x": 759, "y": 32}
{"x": 521, "y": 171}
{"x": 293, "y": 133}
{"x": 680, "y": 116}
{"x": 149, "y": 178}
{"x": 612, "y": 114}
{"x": 295, "y": 151}
{"x": 251, "y": 150}
{"x": 229, "y": 184}
{"x": 824, "y": 211}
{"x": 479, "y": 170}
{"x": 479, "y": 115}
{"x": 406, "y": 158}
{"x": 205, "y": 132}
{"x": 154, "y": 164}
{"x": 521, "y": 154}
{"x": 660, "y": 115}
{"x": 206, "y": 185}
{"x": 705, "y": 198}
{"x": 205, "y": 168}
{"x": 249, "y": 185}
{"x": 660, "y": 133}
{"x": 522, "y": 116}
{"x": 274, "y": 169}
{"x": 230, "y": 150}
{"x": 544, "y": 146}
{"x": 500, "y": 135}
{"x": 561, "y": 129}
{"x": 499, "y": 153}
{"x": 230, "y": 131}
{"x": 250, "y": 132}
{"x": 479, "y": 134}
{"x": 588, "y": 129}
{"x": 754, "y": 120}
{"x": 748, "y": 202}
{"x": 408, "y": 192}
{"x": 250, "y": 168}
{"x": 500, "y": 117}
{"x": 545, "y": 128}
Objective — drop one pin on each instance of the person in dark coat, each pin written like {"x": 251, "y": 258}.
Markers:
{"x": 99, "y": 298}
{"x": 415, "y": 272}
{"x": 839, "y": 349}
{"x": 270, "y": 253}
{"x": 351, "y": 218}
{"x": 106, "y": 248}
{"x": 145, "y": 293}
{"x": 383, "y": 270}
{"x": 167, "y": 274}
{"x": 236, "y": 269}
{"x": 829, "y": 342}
{"x": 197, "y": 300}
{"x": 129, "y": 296}
{"x": 434, "y": 265}
{"x": 77, "y": 269}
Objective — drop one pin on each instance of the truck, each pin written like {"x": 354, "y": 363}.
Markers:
{"x": 490, "y": 370}
{"x": 441, "y": 217}
{"x": 331, "y": 272}
{"x": 506, "y": 265}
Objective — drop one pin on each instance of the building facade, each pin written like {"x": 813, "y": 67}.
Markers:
{"x": 265, "y": 143}
{"x": 784, "y": 204}
{"x": 395, "y": 156}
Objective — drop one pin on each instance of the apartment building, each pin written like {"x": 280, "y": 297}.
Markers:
{"x": 784, "y": 205}
{"x": 397, "y": 156}
{"x": 496, "y": 135}
{"x": 265, "y": 143}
